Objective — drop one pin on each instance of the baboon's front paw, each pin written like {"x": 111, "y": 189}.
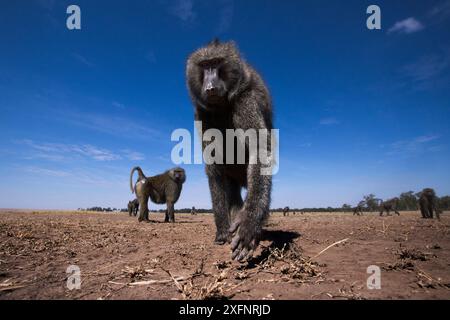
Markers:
{"x": 222, "y": 239}
{"x": 245, "y": 237}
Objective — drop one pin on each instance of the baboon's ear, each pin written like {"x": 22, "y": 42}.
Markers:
{"x": 215, "y": 42}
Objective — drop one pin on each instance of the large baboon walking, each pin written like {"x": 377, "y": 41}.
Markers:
{"x": 227, "y": 93}
{"x": 428, "y": 204}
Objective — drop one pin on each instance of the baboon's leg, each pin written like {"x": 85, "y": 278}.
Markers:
{"x": 396, "y": 212}
{"x": 166, "y": 216}
{"x": 430, "y": 211}
{"x": 170, "y": 212}
{"x": 143, "y": 208}
{"x": 438, "y": 214}
{"x": 381, "y": 212}
{"x": 225, "y": 195}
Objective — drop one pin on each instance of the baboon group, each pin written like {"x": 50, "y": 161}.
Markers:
{"x": 427, "y": 205}
{"x": 226, "y": 93}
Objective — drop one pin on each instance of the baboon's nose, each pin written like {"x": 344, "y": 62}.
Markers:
{"x": 211, "y": 91}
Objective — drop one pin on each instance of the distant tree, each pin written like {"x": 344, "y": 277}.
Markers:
{"x": 408, "y": 201}
{"x": 346, "y": 207}
{"x": 372, "y": 203}
{"x": 444, "y": 203}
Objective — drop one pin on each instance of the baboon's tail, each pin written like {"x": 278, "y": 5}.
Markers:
{"x": 141, "y": 176}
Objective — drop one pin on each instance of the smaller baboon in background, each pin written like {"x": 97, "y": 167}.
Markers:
{"x": 358, "y": 210}
{"x": 133, "y": 207}
{"x": 193, "y": 211}
{"x": 286, "y": 211}
{"x": 389, "y": 205}
{"x": 428, "y": 204}
{"x": 162, "y": 188}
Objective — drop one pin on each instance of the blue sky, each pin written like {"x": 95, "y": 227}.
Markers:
{"x": 359, "y": 111}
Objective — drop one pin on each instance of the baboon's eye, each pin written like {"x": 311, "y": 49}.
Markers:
{"x": 223, "y": 75}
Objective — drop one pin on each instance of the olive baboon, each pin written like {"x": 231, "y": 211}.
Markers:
{"x": 193, "y": 211}
{"x": 428, "y": 204}
{"x": 389, "y": 205}
{"x": 358, "y": 210}
{"x": 286, "y": 211}
{"x": 163, "y": 188}
{"x": 227, "y": 93}
{"x": 133, "y": 207}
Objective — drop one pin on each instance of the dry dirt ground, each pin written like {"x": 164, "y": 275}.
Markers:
{"x": 122, "y": 259}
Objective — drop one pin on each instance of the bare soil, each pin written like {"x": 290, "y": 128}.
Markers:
{"x": 120, "y": 258}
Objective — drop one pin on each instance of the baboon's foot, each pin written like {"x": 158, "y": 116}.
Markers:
{"x": 222, "y": 238}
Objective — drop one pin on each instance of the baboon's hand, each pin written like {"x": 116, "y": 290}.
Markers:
{"x": 245, "y": 235}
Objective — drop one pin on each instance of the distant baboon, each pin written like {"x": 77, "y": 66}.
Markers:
{"x": 358, "y": 211}
{"x": 286, "y": 211}
{"x": 163, "y": 188}
{"x": 389, "y": 205}
{"x": 228, "y": 93}
{"x": 193, "y": 211}
{"x": 428, "y": 204}
{"x": 133, "y": 207}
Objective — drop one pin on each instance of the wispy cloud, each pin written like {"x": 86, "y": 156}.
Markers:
{"x": 226, "y": 9}
{"x": 60, "y": 151}
{"x": 133, "y": 155}
{"x": 113, "y": 125}
{"x": 427, "y": 67}
{"x": 151, "y": 57}
{"x": 407, "y": 26}
{"x": 47, "y": 172}
{"x": 46, "y": 4}
{"x": 118, "y": 105}
{"x": 440, "y": 12}
{"x": 82, "y": 59}
{"x": 328, "y": 121}
{"x": 305, "y": 145}
{"x": 184, "y": 10}
{"x": 79, "y": 175}
{"x": 416, "y": 145}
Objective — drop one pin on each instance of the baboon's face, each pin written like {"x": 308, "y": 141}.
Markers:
{"x": 213, "y": 74}
{"x": 429, "y": 193}
{"x": 178, "y": 175}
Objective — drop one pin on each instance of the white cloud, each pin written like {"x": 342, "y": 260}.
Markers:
{"x": 60, "y": 151}
{"x": 413, "y": 146}
{"x": 114, "y": 125}
{"x": 184, "y": 10}
{"x": 427, "y": 67}
{"x": 407, "y": 26}
{"x": 133, "y": 155}
{"x": 440, "y": 12}
{"x": 82, "y": 59}
{"x": 118, "y": 105}
{"x": 328, "y": 121}
{"x": 47, "y": 172}
{"x": 226, "y": 15}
